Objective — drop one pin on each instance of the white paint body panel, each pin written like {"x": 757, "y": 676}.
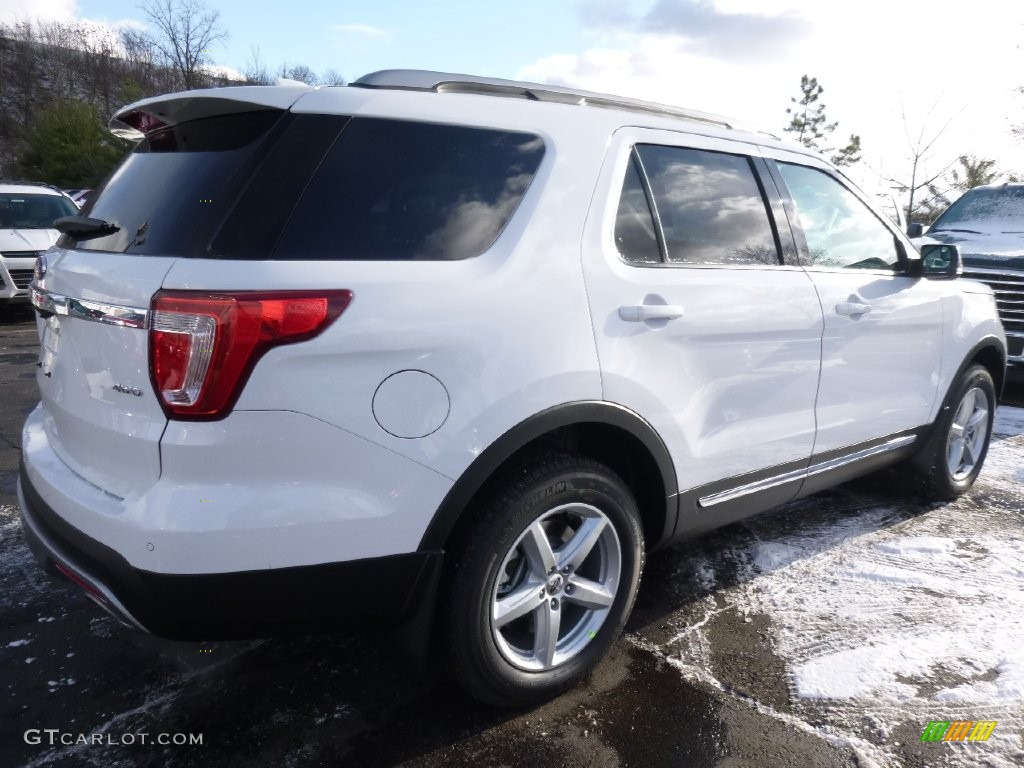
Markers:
{"x": 255, "y": 491}
{"x": 301, "y": 472}
{"x": 879, "y": 371}
{"x": 109, "y": 438}
{"x": 730, "y": 385}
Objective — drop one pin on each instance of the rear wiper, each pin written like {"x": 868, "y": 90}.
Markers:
{"x": 84, "y": 228}
{"x": 951, "y": 229}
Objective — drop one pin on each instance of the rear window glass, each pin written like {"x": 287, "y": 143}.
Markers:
{"x": 261, "y": 185}
{"x": 985, "y": 205}
{"x": 399, "y": 190}
{"x": 171, "y": 192}
{"x": 33, "y": 211}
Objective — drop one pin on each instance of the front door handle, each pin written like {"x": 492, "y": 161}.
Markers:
{"x": 852, "y": 308}
{"x": 639, "y": 313}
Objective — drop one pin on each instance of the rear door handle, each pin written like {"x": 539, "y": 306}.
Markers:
{"x": 852, "y": 308}
{"x": 639, "y": 313}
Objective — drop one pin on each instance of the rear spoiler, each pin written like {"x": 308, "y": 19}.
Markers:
{"x": 134, "y": 121}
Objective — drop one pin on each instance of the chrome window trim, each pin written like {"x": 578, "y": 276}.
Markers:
{"x": 86, "y": 309}
{"x": 815, "y": 469}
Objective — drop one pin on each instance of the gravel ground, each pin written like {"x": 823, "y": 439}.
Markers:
{"x": 826, "y": 633}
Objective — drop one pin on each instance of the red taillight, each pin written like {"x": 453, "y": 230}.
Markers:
{"x": 203, "y": 346}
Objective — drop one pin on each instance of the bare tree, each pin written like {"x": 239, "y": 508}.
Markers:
{"x": 920, "y": 152}
{"x": 255, "y": 71}
{"x": 299, "y": 72}
{"x": 332, "y": 77}
{"x": 186, "y": 32}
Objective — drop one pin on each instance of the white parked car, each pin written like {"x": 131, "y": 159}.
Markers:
{"x": 453, "y": 353}
{"x": 27, "y": 213}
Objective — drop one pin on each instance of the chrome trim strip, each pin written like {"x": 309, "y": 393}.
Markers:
{"x": 799, "y": 474}
{"x": 842, "y": 461}
{"x": 86, "y": 309}
{"x": 743, "y": 490}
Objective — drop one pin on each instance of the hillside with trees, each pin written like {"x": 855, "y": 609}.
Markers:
{"x": 61, "y": 81}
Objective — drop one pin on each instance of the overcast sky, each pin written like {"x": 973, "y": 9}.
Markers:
{"x": 933, "y": 60}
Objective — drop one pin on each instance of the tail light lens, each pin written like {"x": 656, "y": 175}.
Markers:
{"x": 202, "y": 347}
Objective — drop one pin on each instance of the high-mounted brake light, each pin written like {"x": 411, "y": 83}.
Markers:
{"x": 202, "y": 346}
{"x": 135, "y": 125}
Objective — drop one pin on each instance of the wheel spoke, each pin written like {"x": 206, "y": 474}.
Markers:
{"x": 966, "y": 407}
{"x": 956, "y": 430}
{"x": 575, "y": 551}
{"x": 589, "y": 594}
{"x": 980, "y": 416}
{"x": 538, "y": 550}
{"x": 971, "y": 449}
{"x": 956, "y": 454}
{"x": 545, "y": 638}
{"x": 517, "y": 604}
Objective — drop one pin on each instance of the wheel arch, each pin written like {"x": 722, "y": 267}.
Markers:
{"x": 606, "y": 432}
{"x": 990, "y": 354}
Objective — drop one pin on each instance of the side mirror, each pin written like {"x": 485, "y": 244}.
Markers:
{"x": 940, "y": 262}
{"x": 915, "y": 229}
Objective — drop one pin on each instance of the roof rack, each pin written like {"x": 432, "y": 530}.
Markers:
{"x": 447, "y": 82}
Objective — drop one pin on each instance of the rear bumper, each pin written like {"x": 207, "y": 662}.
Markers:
{"x": 378, "y": 591}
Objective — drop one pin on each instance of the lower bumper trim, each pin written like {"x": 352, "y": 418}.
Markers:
{"x": 230, "y": 606}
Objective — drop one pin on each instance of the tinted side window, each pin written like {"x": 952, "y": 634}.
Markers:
{"x": 710, "y": 205}
{"x": 398, "y": 190}
{"x": 634, "y": 224}
{"x": 840, "y": 230}
{"x": 261, "y": 212}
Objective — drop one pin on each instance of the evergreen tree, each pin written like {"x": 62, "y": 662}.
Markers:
{"x": 811, "y": 126}
{"x": 808, "y": 119}
{"x": 68, "y": 146}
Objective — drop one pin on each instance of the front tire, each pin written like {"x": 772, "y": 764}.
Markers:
{"x": 541, "y": 582}
{"x": 950, "y": 461}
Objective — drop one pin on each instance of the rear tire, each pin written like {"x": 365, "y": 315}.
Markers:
{"x": 950, "y": 461}
{"x": 540, "y": 583}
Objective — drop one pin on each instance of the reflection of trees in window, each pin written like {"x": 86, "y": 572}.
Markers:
{"x": 754, "y": 254}
{"x": 840, "y": 230}
{"x": 711, "y": 207}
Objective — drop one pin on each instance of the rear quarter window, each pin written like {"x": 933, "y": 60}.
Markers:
{"x": 400, "y": 190}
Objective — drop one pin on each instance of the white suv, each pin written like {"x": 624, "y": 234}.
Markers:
{"x": 27, "y": 213}
{"x": 453, "y": 353}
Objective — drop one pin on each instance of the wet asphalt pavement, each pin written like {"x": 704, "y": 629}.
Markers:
{"x": 345, "y": 700}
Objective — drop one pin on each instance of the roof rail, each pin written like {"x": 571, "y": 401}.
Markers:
{"x": 447, "y": 82}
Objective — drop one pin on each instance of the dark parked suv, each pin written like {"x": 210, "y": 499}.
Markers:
{"x": 987, "y": 223}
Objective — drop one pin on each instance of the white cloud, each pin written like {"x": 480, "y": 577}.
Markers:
{"x": 47, "y": 10}
{"x": 359, "y": 38}
{"x": 220, "y": 70}
{"x": 875, "y": 59}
